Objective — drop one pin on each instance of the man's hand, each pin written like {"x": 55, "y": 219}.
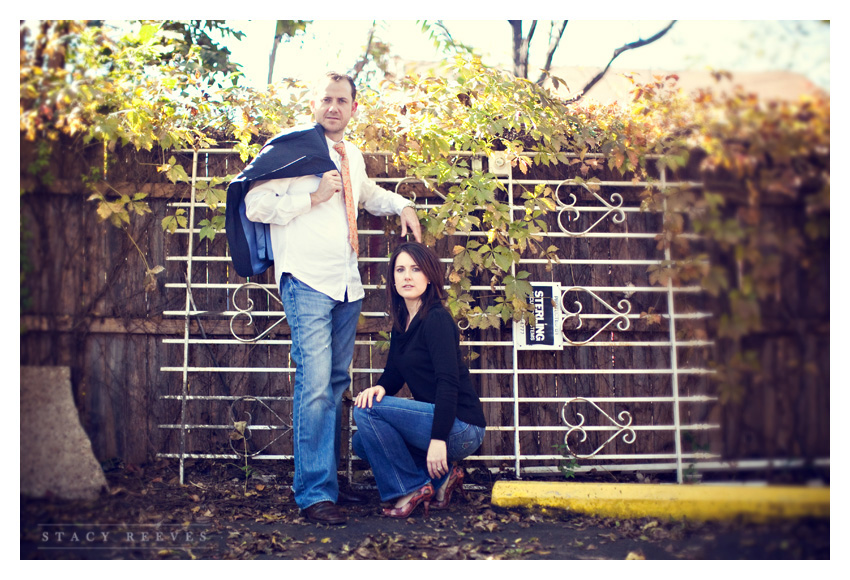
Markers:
{"x": 330, "y": 185}
{"x": 409, "y": 219}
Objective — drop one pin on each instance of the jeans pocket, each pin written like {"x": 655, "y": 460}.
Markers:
{"x": 465, "y": 441}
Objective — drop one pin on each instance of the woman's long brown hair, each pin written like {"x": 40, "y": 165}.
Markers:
{"x": 429, "y": 263}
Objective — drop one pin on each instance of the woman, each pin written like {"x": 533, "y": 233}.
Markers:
{"x": 411, "y": 444}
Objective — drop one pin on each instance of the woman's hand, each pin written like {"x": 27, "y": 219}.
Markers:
{"x": 438, "y": 464}
{"x": 364, "y": 398}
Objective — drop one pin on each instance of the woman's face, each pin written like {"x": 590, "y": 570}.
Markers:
{"x": 410, "y": 282}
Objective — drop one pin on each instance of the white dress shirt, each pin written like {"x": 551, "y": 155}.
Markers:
{"x": 311, "y": 243}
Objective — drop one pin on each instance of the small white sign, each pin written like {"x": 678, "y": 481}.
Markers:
{"x": 546, "y": 333}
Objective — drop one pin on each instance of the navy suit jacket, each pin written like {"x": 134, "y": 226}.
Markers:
{"x": 295, "y": 152}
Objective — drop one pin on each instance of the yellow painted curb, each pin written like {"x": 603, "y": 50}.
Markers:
{"x": 671, "y": 501}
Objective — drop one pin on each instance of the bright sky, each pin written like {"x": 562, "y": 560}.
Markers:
{"x": 695, "y": 44}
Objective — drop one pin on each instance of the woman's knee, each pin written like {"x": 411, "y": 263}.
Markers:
{"x": 363, "y": 418}
{"x": 358, "y": 413}
{"x": 364, "y": 412}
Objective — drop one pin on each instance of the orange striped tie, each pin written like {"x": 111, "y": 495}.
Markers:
{"x": 350, "y": 210}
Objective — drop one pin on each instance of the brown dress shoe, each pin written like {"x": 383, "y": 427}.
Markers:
{"x": 324, "y": 512}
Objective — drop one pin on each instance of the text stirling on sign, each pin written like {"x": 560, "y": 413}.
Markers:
{"x": 546, "y": 333}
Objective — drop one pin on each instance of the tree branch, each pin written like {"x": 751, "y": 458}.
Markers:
{"x": 526, "y": 45}
{"x": 359, "y": 66}
{"x": 272, "y": 57}
{"x": 516, "y": 32}
{"x": 555, "y": 36}
{"x": 279, "y": 30}
{"x": 630, "y": 46}
{"x": 521, "y": 47}
{"x": 442, "y": 38}
{"x": 282, "y": 28}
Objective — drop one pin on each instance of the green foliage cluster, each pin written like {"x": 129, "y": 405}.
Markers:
{"x": 141, "y": 90}
{"x": 477, "y": 110}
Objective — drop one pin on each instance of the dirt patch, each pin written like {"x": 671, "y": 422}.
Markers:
{"x": 148, "y": 514}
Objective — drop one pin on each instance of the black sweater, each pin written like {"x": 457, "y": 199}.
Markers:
{"x": 427, "y": 357}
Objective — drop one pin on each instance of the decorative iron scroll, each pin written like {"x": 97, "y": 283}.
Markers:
{"x": 614, "y": 207}
{"x": 417, "y": 180}
{"x": 624, "y": 428}
{"x": 249, "y": 307}
{"x": 243, "y": 428}
{"x": 621, "y": 316}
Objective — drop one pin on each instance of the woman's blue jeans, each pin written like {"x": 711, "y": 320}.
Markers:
{"x": 323, "y": 331}
{"x": 394, "y": 435}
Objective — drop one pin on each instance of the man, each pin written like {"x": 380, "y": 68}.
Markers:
{"x": 314, "y": 243}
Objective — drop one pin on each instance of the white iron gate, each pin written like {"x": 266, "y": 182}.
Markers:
{"x": 622, "y": 384}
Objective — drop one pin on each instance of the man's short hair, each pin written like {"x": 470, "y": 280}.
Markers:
{"x": 322, "y": 81}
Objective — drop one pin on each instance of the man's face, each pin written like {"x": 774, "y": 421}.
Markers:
{"x": 333, "y": 108}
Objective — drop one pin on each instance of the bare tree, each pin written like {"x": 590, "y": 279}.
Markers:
{"x": 522, "y": 47}
{"x": 522, "y": 44}
{"x": 629, "y": 46}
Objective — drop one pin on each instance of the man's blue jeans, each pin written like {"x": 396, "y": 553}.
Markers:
{"x": 394, "y": 435}
{"x": 323, "y": 333}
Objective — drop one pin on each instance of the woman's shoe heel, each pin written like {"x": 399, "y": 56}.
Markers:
{"x": 423, "y": 494}
{"x": 455, "y": 481}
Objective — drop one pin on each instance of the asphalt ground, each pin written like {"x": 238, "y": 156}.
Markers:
{"x": 148, "y": 515}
